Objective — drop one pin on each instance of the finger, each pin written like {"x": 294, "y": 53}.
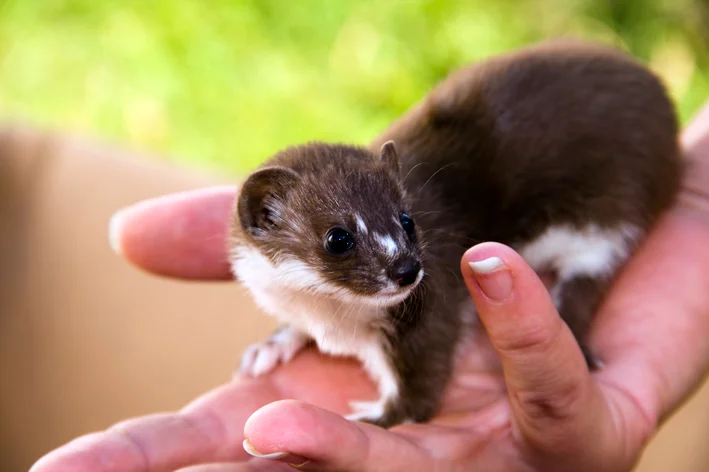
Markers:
{"x": 209, "y": 430}
{"x": 553, "y": 397}
{"x": 180, "y": 235}
{"x": 292, "y": 429}
{"x": 653, "y": 327}
{"x": 698, "y": 129}
{"x": 250, "y": 466}
{"x": 694, "y": 195}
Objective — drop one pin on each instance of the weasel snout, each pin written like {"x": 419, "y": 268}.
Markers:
{"x": 405, "y": 271}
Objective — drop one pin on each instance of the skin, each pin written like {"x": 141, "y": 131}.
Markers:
{"x": 522, "y": 401}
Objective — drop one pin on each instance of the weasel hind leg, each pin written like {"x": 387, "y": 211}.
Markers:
{"x": 578, "y": 300}
{"x": 584, "y": 261}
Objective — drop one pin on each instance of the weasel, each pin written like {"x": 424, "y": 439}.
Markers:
{"x": 566, "y": 151}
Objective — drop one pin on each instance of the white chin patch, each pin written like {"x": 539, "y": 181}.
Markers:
{"x": 256, "y": 271}
{"x": 393, "y": 299}
{"x": 393, "y": 295}
{"x": 260, "y": 275}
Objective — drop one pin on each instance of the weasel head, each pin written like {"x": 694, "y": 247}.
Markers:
{"x": 330, "y": 220}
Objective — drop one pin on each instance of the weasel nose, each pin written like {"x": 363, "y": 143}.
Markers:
{"x": 406, "y": 272}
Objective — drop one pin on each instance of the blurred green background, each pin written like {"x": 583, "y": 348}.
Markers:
{"x": 224, "y": 84}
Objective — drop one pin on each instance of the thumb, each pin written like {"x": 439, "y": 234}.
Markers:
{"x": 554, "y": 400}
{"x": 311, "y": 438}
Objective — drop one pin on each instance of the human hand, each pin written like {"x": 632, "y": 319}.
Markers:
{"x": 525, "y": 401}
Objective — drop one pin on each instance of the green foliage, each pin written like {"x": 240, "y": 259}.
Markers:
{"x": 224, "y": 84}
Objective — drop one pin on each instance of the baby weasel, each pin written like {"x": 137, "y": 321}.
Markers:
{"x": 566, "y": 151}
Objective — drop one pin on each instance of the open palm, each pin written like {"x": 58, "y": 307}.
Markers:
{"x": 520, "y": 400}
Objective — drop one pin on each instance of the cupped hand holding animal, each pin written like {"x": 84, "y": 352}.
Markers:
{"x": 521, "y": 401}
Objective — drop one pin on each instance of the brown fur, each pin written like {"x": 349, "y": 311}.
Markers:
{"x": 333, "y": 182}
{"x": 562, "y": 132}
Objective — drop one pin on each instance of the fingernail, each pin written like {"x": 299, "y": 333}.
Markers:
{"x": 493, "y": 278}
{"x": 291, "y": 459}
{"x": 114, "y": 228}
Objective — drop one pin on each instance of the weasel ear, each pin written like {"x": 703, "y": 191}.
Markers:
{"x": 389, "y": 157}
{"x": 261, "y": 199}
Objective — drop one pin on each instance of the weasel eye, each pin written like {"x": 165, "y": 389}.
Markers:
{"x": 339, "y": 241}
{"x": 407, "y": 223}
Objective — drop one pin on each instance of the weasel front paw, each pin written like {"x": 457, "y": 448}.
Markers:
{"x": 263, "y": 357}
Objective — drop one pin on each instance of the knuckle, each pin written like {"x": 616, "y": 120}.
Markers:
{"x": 535, "y": 339}
{"x": 562, "y": 403}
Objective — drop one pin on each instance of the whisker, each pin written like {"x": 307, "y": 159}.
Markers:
{"x": 411, "y": 170}
{"x": 424, "y": 213}
{"x": 433, "y": 175}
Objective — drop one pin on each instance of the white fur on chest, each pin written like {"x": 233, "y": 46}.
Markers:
{"x": 297, "y": 296}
